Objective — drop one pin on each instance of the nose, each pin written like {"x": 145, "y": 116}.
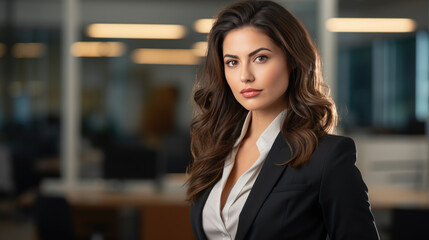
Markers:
{"x": 246, "y": 74}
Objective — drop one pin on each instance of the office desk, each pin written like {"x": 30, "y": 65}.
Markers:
{"x": 162, "y": 215}
{"x": 388, "y": 198}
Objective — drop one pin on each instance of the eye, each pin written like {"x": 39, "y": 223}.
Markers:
{"x": 231, "y": 63}
{"x": 261, "y": 59}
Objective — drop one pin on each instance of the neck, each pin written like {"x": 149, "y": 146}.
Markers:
{"x": 260, "y": 121}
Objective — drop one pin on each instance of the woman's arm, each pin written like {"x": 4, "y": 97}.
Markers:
{"x": 344, "y": 195}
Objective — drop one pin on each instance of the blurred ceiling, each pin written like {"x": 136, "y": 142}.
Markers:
{"x": 48, "y": 13}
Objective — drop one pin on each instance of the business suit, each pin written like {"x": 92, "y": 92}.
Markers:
{"x": 326, "y": 196}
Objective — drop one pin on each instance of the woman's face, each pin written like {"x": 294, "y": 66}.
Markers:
{"x": 256, "y": 70}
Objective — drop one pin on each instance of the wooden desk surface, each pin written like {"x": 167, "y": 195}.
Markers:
{"x": 381, "y": 197}
{"x": 387, "y": 198}
{"x": 111, "y": 199}
{"x": 130, "y": 193}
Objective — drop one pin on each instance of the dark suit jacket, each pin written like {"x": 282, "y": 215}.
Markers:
{"x": 325, "y": 197}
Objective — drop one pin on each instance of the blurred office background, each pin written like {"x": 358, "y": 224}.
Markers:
{"x": 94, "y": 118}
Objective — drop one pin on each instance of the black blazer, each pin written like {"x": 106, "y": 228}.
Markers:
{"x": 325, "y": 197}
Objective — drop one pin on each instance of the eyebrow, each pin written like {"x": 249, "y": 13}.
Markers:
{"x": 250, "y": 54}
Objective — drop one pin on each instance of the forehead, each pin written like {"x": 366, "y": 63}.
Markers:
{"x": 246, "y": 39}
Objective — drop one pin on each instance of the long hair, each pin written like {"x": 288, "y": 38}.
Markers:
{"x": 218, "y": 117}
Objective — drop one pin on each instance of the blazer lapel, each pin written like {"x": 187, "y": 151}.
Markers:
{"x": 199, "y": 205}
{"x": 263, "y": 185}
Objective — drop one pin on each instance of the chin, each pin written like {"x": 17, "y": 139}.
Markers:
{"x": 253, "y": 108}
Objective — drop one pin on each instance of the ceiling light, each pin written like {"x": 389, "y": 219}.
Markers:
{"x": 200, "y": 49}
{"x": 380, "y": 25}
{"x": 204, "y": 25}
{"x": 98, "y": 49}
{"x": 142, "y": 31}
{"x": 165, "y": 56}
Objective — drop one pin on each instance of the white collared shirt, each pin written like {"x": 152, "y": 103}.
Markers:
{"x": 223, "y": 225}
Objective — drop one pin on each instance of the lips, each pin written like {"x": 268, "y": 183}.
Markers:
{"x": 250, "y": 92}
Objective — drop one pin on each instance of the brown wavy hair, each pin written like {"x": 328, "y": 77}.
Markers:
{"x": 218, "y": 117}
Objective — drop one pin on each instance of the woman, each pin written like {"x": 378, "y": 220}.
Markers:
{"x": 265, "y": 165}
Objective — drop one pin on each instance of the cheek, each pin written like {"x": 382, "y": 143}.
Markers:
{"x": 279, "y": 79}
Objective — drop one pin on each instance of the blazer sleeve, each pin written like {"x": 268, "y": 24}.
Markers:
{"x": 344, "y": 196}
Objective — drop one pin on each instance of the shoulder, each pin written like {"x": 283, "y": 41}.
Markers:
{"x": 329, "y": 144}
{"x": 336, "y": 153}
{"x": 333, "y": 153}
{"x": 335, "y": 139}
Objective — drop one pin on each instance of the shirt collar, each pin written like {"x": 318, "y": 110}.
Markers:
{"x": 267, "y": 137}
{"x": 244, "y": 128}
